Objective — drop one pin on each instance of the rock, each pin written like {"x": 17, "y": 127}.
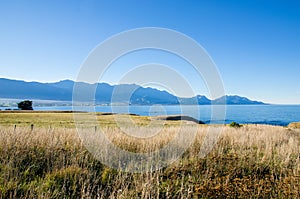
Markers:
{"x": 180, "y": 117}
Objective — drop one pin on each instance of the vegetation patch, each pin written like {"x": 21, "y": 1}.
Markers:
{"x": 235, "y": 125}
{"x": 294, "y": 125}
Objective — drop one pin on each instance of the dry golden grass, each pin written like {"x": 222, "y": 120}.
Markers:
{"x": 294, "y": 125}
{"x": 254, "y": 161}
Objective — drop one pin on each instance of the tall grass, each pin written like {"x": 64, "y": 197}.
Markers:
{"x": 248, "y": 162}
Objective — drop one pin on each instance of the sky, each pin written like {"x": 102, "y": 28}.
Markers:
{"x": 254, "y": 44}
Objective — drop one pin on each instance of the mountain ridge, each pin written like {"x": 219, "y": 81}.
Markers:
{"x": 107, "y": 94}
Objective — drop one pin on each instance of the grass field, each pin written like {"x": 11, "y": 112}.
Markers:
{"x": 59, "y": 119}
{"x": 49, "y": 161}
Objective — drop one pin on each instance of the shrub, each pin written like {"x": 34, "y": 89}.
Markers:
{"x": 25, "y": 105}
{"x": 235, "y": 125}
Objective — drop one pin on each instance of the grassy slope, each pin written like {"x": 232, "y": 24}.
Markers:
{"x": 254, "y": 161}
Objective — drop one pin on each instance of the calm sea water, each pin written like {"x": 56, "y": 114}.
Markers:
{"x": 254, "y": 114}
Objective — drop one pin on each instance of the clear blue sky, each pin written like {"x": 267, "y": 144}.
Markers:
{"x": 254, "y": 43}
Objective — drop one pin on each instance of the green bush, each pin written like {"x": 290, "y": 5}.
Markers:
{"x": 235, "y": 125}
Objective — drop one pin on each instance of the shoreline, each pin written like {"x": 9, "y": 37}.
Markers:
{"x": 174, "y": 117}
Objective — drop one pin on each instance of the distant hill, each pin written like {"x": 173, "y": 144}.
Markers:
{"x": 122, "y": 94}
{"x": 235, "y": 99}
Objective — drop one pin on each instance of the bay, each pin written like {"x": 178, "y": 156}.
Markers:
{"x": 252, "y": 114}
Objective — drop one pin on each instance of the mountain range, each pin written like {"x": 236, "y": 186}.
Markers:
{"x": 106, "y": 94}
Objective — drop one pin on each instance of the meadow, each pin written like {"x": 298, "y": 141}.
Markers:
{"x": 42, "y": 156}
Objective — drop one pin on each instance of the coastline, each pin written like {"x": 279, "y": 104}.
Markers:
{"x": 166, "y": 118}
